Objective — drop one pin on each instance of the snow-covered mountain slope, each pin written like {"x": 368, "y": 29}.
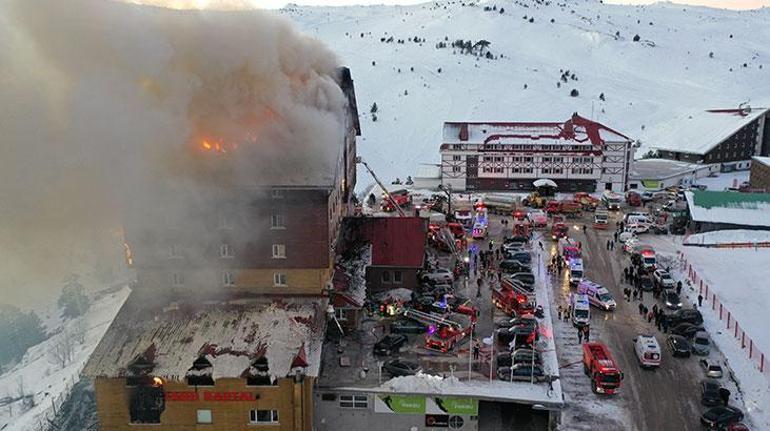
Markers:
{"x": 668, "y": 72}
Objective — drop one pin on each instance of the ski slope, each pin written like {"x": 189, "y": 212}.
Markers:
{"x": 666, "y": 74}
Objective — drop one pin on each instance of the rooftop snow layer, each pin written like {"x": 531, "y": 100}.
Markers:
{"x": 736, "y": 236}
{"x": 231, "y": 334}
{"x": 698, "y": 132}
{"x": 647, "y": 169}
{"x": 763, "y": 160}
{"x": 750, "y": 209}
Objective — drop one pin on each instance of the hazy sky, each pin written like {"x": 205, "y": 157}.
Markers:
{"x": 728, "y": 4}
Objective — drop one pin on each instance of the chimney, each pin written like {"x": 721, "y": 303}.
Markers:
{"x": 464, "y": 131}
{"x": 569, "y": 128}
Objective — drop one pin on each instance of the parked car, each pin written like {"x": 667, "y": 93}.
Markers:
{"x": 628, "y": 246}
{"x": 709, "y": 393}
{"x": 400, "y": 367}
{"x": 659, "y": 229}
{"x": 438, "y": 275}
{"x": 625, "y": 237}
{"x": 671, "y": 299}
{"x": 521, "y": 334}
{"x": 663, "y": 278}
{"x": 689, "y": 315}
{"x": 679, "y": 346}
{"x": 525, "y": 320}
{"x": 637, "y": 228}
{"x": 701, "y": 343}
{"x": 711, "y": 369}
{"x": 645, "y": 283}
{"x": 524, "y": 277}
{"x": 438, "y": 290}
{"x": 517, "y": 284}
{"x": 407, "y": 326}
{"x": 522, "y": 257}
{"x": 646, "y": 196}
{"x": 518, "y": 356}
{"x": 513, "y": 266}
{"x": 389, "y": 344}
{"x": 686, "y": 330}
{"x": 523, "y": 372}
{"x": 721, "y": 416}
{"x": 528, "y": 353}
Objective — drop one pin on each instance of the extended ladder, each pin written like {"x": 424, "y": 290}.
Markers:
{"x": 430, "y": 318}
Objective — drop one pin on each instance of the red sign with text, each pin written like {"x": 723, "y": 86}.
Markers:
{"x": 211, "y": 396}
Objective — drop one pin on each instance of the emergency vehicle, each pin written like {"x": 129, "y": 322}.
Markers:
{"x": 511, "y": 302}
{"x": 480, "y": 223}
{"x": 601, "y": 219}
{"x": 575, "y": 268}
{"x": 402, "y": 198}
{"x": 588, "y": 202}
{"x": 568, "y": 249}
{"x": 647, "y": 350}
{"x": 444, "y": 332}
{"x": 559, "y": 230}
{"x": 538, "y": 218}
{"x": 611, "y": 200}
{"x": 465, "y": 218}
{"x": 598, "y": 295}
{"x": 599, "y": 366}
{"x": 581, "y": 311}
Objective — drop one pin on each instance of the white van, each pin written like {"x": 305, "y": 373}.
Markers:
{"x": 598, "y": 295}
{"x": 581, "y": 310}
{"x": 647, "y": 350}
{"x": 638, "y": 219}
{"x": 575, "y": 271}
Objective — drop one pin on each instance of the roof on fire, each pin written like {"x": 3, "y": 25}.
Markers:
{"x": 229, "y": 334}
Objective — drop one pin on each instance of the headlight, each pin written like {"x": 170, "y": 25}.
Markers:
{"x": 668, "y": 303}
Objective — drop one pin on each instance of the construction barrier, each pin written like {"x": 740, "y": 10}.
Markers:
{"x": 725, "y": 315}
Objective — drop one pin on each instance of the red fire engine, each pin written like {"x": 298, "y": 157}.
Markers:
{"x": 601, "y": 368}
{"x": 512, "y": 301}
{"x": 559, "y": 230}
{"x": 444, "y": 332}
{"x": 402, "y": 198}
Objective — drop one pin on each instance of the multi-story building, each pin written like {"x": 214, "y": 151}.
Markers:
{"x": 578, "y": 155}
{"x": 224, "y": 327}
{"x": 727, "y": 136}
{"x": 759, "y": 178}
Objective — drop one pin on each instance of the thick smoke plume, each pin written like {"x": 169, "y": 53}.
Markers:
{"x": 102, "y": 102}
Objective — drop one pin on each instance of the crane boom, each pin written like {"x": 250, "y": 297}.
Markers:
{"x": 382, "y": 186}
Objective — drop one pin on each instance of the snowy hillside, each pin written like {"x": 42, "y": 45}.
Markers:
{"x": 669, "y": 72}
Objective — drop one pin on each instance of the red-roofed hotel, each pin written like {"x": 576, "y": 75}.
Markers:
{"x": 577, "y": 154}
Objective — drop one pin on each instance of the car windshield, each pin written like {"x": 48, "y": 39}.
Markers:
{"x": 649, "y": 260}
{"x": 581, "y": 313}
{"x": 701, "y": 340}
{"x": 611, "y": 378}
{"x": 604, "y": 297}
{"x": 576, "y": 273}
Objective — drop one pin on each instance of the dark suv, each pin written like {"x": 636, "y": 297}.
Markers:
{"x": 389, "y": 344}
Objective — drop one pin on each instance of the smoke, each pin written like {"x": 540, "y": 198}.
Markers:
{"x": 104, "y": 103}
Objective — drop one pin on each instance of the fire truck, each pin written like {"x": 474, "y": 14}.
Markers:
{"x": 570, "y": 209}
{"x": 444, "y": 332}
{"x": 553, "y": 207}
{"x": 522, "y": 229}
{"x": 601, "y": 368}
{"x": 601, "y": 219}
{"x": 568, "y": 249}
{"x": 402, "y": 198}
{"x": 559, "y": 230}
{"x": 588, "y": 202}
{"x": 512, "y": 300}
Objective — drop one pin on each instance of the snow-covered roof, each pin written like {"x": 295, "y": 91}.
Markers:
{"x": 698, "y": 132}
{"x": 648, "y": 169}
{"x": 230, "y": 334}
{"x": 576, "y": 130}
{"x": 723, "y": 237}
{"x": 747, "y": 209}
{"x": 763, "y": 160}
{"x": 428, "y": 171}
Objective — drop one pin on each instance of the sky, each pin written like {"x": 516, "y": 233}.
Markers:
{"x": 726, "y": 4}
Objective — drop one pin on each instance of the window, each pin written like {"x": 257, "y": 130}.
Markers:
{"x": 328, "y": 397}
{"x": 498, "y": 170}
{"x": 228, "y": 278}
{"x": 174, "y": 251}
{"x": 226, "y": 251}
{"x": 279, "y": 251}
{"x": 386, "y": 277}
{"x": 178, "y": 279}
{"x": 264, "y": 416}
{"x": 397, "y": 277}
{"x": 277, "y": 220}
{"x": 205, "y": 417}
{"x": 340, "y": 314}
{"x": 354, "y": 401}
{"x": 455, "y": 169}
{"x": 276, "y": 194}
{"x": 457, "y": 158}
{"x": 279, "y": 279}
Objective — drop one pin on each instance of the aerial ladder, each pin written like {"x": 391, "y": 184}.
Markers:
{"x": 382, "y": 186}
{"x": 430, "y": 318}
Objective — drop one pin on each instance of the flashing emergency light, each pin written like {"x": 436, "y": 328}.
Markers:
{"x": 431, "y": 329}
{"x": 466, "y": 259}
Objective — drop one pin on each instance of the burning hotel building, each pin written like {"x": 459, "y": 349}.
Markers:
{"x": 225, "y": 324}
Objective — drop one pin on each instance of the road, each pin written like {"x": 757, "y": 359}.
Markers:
{"x": 662, "y": 399}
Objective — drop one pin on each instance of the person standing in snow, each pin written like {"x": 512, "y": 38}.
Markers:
{"x": 700, "y": 300}
{"x": 679, "y": 287}
{"x": 580, "y": 335}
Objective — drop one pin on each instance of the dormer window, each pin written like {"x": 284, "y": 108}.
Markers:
{"x": 201, "y": 373}
{"x": 258, "y": 374}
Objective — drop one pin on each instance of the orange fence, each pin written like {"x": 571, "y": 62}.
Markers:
{"x": 712, "y": 301}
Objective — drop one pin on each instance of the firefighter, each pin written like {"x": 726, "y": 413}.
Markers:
{"x": 700, "y": 300}
{"x": 580, "y": 335}
{"x": 679, "y": 287}
{"x": 559, "y": 312}
{"x": 584, "y": 228}
{"x": 587, "y": 334}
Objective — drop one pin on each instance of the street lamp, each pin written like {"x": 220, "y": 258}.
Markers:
{"x": 448, "y": 190}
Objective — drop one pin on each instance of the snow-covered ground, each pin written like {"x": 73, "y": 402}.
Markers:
{"x": 418, "y": 86}
{"x": 43, "y": 377}
{"x": 737, "y": 277}
{"x": 724, "y": 180}
{"x": 736, "y": 236}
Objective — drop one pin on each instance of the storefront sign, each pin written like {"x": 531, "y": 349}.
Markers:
{"x": 420, "y": 404}
{"x": 211, "y": 396}
{"x": 437, "y": 421}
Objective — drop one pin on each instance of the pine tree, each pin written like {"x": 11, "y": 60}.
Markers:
{"x": 73, "y": 300}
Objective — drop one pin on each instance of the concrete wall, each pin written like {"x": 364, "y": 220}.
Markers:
{"x": 330, "y": 416}
{"x": 294, "y": 403}
{"x": 375, "y": 283}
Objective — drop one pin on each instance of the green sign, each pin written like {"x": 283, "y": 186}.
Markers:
{"x": 458, "y": 406}
{"x": 412, "y": 404}
{"x": 651, "y": 184}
